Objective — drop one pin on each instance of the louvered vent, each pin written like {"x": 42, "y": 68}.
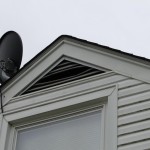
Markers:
{"x": 64, "y": 72}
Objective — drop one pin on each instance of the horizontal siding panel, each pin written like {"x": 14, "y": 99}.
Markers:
{"x": 134, "y": 108}
{"x": 134, "y": 137}
{"x": 142, "y": 145}
{"x": 133, "y": 90}
{"x": 134, "y": 117}
{"x": 128, "y": 83}
{"x": 134, "y": 99}
{"x": 134, "y": 127}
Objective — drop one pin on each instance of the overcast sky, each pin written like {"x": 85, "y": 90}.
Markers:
{"x": 120, "y": 24}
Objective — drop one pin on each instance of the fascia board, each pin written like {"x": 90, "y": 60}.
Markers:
{"x": 118, "y": 64}
{"x": 107, "y": 49}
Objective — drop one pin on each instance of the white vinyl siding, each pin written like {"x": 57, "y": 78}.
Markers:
{"x": 133, "y": 115}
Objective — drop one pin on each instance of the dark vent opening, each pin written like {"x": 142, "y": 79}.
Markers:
{"x": 64, "y": 72}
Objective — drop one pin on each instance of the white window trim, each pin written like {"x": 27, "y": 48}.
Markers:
{"x": 9, "y": 121}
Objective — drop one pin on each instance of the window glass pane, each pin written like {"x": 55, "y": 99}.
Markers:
{"x": 77, "y": 133}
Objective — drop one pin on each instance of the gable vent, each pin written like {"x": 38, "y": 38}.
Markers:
{"x": 64, "y": 72}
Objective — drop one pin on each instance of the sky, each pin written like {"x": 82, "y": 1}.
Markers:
{"x": 120, "y": 24}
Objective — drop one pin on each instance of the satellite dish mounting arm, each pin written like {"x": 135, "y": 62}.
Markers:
{"x": 7, "y": 69}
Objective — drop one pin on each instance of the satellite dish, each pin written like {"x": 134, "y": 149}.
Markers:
{"x": 11, "y": 50}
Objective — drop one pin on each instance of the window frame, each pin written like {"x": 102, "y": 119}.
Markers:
{"x": 63, "y": 117}
{"x": 106, "y": 97}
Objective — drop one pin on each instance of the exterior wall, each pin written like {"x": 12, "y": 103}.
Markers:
{"x": 133, "y": 95}
{"x": 133, "y": 111}
{"x": 133, "y": 115}
{"x": 29, "y": 108}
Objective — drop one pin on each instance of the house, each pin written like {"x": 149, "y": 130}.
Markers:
{"x": 77, "y": 95}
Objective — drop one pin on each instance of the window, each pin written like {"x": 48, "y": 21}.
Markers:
{"x": 83, "y": 116}
{"x": 78, "y": 132}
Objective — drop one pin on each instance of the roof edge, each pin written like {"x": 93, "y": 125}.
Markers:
{"x": 86, "y": 43}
